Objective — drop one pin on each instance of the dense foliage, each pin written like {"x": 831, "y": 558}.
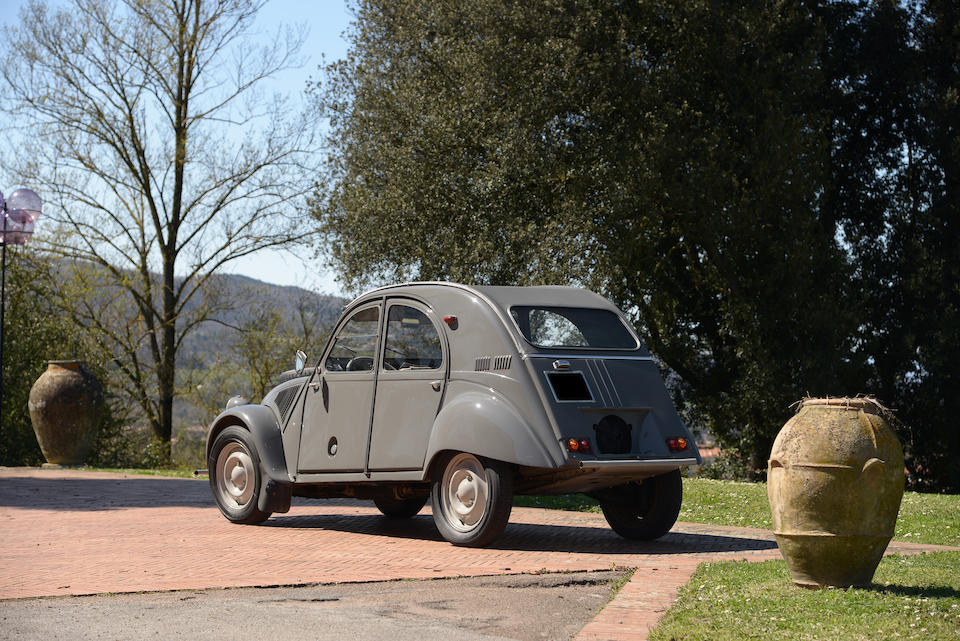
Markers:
{"x": 768, "y": 189}
{"x": 36, "y": 332}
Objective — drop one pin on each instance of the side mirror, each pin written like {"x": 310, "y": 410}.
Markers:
{"x": 300, "y": 362}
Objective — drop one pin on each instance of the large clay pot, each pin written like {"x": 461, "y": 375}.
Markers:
{"x": 65, "y": 406}
{"x": 835, "y": 480}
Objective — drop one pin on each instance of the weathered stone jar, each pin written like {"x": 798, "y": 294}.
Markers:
{"x": 65, "y": 406}
{"x": 835, "y": 480}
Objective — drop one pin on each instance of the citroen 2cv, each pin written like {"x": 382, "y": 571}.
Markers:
{"x": 466, "y": 396}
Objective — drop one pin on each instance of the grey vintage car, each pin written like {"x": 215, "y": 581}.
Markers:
{"x": 466, "y": 396}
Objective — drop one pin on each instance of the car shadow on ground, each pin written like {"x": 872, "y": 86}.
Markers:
{"x": 97, "y": 494}
{"x": 531, "y": 537}
{"x": 92, "y": 494}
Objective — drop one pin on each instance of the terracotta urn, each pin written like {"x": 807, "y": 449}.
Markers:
{"x": 835, "y": 480}
{"x": 65, "y": 407}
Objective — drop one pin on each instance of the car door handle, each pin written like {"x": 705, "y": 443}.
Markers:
{"x": 435, "y": 385}
{"x": 314, "y": 386}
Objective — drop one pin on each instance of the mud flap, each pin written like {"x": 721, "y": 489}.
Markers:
{"x": 274, "y": 496}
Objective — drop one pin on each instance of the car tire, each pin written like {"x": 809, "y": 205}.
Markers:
{"x": 394, "y": 508}
{"x": 471, "y": 498}
{"x": 235, "y": 475}
{"x": 645, "y": 510}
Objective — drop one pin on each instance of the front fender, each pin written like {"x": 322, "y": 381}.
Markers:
{"x": 262, "y": 424}
{"x": 482, "y": 423}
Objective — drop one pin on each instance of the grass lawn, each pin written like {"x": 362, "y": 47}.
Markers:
{"x": 924, "y": 518}
{"x": 176, "y": 472}
{"x": 913, "y": 597}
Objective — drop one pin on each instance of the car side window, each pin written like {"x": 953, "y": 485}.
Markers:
{"x": 355, "y": 347}
{"x": 412, "y": 341}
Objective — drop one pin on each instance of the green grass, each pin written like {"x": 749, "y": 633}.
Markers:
{"x": 924, "y": 518}
{"x": 618, "y": 584}
{"x": 176, "y": 472}
{"x": 913, "y": 597}
{"x": 570, "y": 502}
{"x": 725, "y": 503}
{"x": 929, "y": 518}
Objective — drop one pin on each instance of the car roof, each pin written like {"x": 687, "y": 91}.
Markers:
{"x": 501, "y": 298}
{"x": 506, "y": 297}
{"x": 544, "y": 295}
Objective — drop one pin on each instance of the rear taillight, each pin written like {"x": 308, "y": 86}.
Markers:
{"x": 677, "y": 444}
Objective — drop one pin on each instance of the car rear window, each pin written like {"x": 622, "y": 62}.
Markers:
{"x": 572, "y": 327}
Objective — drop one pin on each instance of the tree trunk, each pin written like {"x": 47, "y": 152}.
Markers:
{"x": 167, "y": 366}
{"x": 759, "y": 456}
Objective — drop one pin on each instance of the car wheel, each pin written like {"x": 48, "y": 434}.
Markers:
{"x": 471, "y": 499}
{"x": 235, "y": 475}
{"x": 393, "y": 508}
{"x": 644, "y": 510}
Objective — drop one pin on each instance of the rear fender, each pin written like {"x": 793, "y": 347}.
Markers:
{"x": 484, "y": 424}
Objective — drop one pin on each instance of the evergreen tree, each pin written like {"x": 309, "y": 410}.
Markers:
{"x": 767, "y": 189}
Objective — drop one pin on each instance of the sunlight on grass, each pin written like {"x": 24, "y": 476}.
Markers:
{"x": 929, "y": 518}
{"x": 913, "y": 597}
{"x": 178, "y": 473}
{"x": 725, "y": 503}
{"x": 924, "y": 518}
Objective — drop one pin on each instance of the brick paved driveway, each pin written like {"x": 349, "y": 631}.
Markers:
{"x": 69, "y": 533}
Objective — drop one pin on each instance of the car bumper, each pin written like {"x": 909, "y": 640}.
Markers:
{"x": 584, "y": 476}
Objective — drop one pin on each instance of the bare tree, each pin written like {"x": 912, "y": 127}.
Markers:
{"x": 160, "y": 161}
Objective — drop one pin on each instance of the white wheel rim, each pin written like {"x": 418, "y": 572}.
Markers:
{"x": 236, "y": 475}
{"x": 465, "y": 492}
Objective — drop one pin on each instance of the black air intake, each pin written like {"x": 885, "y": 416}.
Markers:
{"x": 285, "y": 400}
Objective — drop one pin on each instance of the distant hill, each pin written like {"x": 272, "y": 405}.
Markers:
{"x": 239, "y": 294}
{"x": 237, "y": 301}
{"x": 234, "y": 300}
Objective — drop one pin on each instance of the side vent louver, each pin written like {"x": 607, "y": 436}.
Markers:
{"x": 486, "y": 363}
{"x": 285, "y": 400}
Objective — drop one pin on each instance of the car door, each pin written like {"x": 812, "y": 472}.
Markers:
{"x": 337, "y": 410}
{"x": 410, "y": 383}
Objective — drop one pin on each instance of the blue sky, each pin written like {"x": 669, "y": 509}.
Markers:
{"x": 326, "y": 21}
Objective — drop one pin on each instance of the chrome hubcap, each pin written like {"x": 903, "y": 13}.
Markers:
{"x": 235, "y": 475}
{"x": 464, "y": 492}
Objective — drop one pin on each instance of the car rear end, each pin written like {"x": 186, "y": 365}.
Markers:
{"x": 603, "y": 394}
